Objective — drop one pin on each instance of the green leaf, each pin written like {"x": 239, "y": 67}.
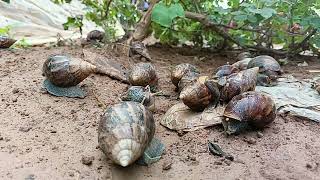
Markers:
{"x": 267, "y": 12}
{"x": 7, "y": 1}
{"x": 242, "y": 17}
{"x": 164, "y": 15}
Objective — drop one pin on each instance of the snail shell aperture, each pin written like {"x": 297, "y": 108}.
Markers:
{"x": 248, "y": 109}
{"x": 124, "y": 132}
{"x": 63, "y": 71}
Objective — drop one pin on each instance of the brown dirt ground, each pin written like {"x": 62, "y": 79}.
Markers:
{"x": 45, "y": 137}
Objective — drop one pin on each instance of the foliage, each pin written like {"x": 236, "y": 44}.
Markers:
{"x": 105, "y": 14}
{"x": 292, "y": 25}
{"x": 7, "y": 1}
{"x": 5, "y": 31}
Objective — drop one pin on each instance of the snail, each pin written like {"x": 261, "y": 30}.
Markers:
{"x": 187, "y": 79}
{"x": 63, "y": 71}
{"x": 225, "y": 70}
{"x": 140, "y": 94}
{"x": 238, "y": 83}
{"x": 95, "y": 35}
{"x": 250, "y": 109}
{"x": 6, "y": 42}
{"x": 138, "y": 48}
{"x": 180, "y": 70}
{"x": 143, "y": 74}
{"x": 243, "y": 59}
{"x": 269, "y": 69}
{"x": 198, "y": 95}
{"x": 124, "y": 132}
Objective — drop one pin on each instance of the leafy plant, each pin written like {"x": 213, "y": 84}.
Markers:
{"x": 5, "y": 31}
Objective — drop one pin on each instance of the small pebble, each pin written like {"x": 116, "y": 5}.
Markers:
{"x": 15, "y": 90}
{"x": 167, "y": 165}
{"x": 251, "y": 140}
{"x": 217, "y": 163}
{"x": 259, "y": 134}
{"x": 25, "y": 129}
{"x": 15, "y": 99}
{"x": 309, "y": 166}
{"x": 87, "y": 160}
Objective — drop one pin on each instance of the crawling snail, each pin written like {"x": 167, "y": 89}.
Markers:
{"x": 243, "y": 59}
{"x": 6, "y": 42}
{"x": 180, "y": 70}
{"x": 124, "y": 132}
{"x": 143, "y": 74}
{"x": 269, "y": 70}
{"x": 238, "y": 83}
{"x": 64, "y": 71}
{"x": 225, "y": 70}
{"x": 250, "y": 109}
{"x": 198, "y": 95}
{"x": 140, "y": 94}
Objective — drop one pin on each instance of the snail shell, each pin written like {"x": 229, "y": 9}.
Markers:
{"x": 225, "y": 70}
{"x": 6, "y": 42}
{"x": 269, "y": 69}
{"x": 63, "y": 71}
{"x": 180, "y": 70}
{"x": 199, "y": 95}
{"x": 143, "y": 74}
{"x": 125, "y": 130}
{"x": 244, "y": 55}
{"x": 188, "y": 79}
{"x": 140, "y": 94}
{"x": 238, "y": 83}
{"x": 95, "y": 35}
{"x": 249, "y": 109}
{"x": 138, "y": 48}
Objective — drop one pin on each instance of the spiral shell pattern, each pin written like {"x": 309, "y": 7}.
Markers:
{"x": 63, "y": 71}
{"x": 143, "y": 74}
{"x": 125, "y": 130}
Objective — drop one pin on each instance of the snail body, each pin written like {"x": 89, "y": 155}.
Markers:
{"x": 124, "y": 132}
{"x": 238, "y": 83}
{"x": 64, "y": 71}
{"x": 138, "y": 48}
{"x": 180, "y": 70}
{"x": 143, "y": 74}
{"x": 198, "y": 95}
{"x": 6, "y": 42}
{"x": 140, "y": 94}
{"x": 249, "y": 109}
{"x": 269, "y": 69}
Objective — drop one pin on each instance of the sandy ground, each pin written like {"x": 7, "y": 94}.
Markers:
{"x": 46, "y": 137}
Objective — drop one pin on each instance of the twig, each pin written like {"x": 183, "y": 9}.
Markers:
{"x": 107, "y": 9}
{"x": 100, "y": 103}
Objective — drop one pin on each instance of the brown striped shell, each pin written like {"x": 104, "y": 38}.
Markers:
{"x": 200, "y": 94}
{"x": 64, "y": 71}
{"x": 187, "y": 79}
{"x": 6, "y": 42}
{"x": 95, "y": 35}
{"x": 238, "y": 83}
{"x": 249, "y": 109}
{"x": 269, "y": 69}
{"x": 180, "y": 70}
{"x": 143, "y": 74}
{"x": 124, "y": 132}
{"x": 225, "y": 70}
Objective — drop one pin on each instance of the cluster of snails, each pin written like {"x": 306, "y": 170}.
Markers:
{"x": 233, "y": 85}
{"x": 125, "y": 129}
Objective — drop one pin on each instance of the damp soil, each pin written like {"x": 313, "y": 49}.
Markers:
{"x": 47, "y": 137}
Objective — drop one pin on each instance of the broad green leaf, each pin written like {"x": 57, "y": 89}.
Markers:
{"x": 241, "y": 17}
{"x": 164, "y": 15}
{"x": 267, "y": 12}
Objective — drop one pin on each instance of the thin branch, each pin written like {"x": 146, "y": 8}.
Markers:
{"x": 107, "y": 9}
